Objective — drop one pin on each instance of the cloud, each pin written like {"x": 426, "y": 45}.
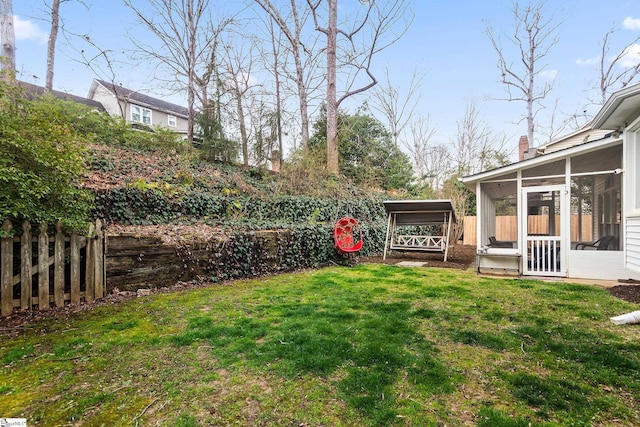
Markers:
{"x": 549, "y": 74}
{"x": 26, "y": 30}
{"x": 631, "y": 23}
{"x": 631, "y": 56}
{"x": 588, "y": 61}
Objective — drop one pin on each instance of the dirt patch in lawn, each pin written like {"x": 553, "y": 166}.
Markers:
{"x": 459, "y": 256}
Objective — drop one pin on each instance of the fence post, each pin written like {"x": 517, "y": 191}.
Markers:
{"x": 6, "y": 281}
{"x": 90, "y": 271}
{"x": 75, "y": 269}
{"x": 58, "y": 267}
{"x": 99, "y": 260}
{"x": 43, "y": 268}
{"x": 26, "y": 273}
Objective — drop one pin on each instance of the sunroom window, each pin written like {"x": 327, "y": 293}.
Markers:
{"x": 596, "y": 202}
{"x": 499, "y": 213}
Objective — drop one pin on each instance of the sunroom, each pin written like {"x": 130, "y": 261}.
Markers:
{"x": 573, "y": 210}
{"x": 553, "y": 215}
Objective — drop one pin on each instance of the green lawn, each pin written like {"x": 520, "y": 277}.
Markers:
{"x": 372, "y": 345}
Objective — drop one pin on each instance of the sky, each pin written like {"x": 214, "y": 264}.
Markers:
{"x": 446, "y": 45}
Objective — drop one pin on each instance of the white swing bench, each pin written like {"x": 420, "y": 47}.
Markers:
{"x": 418, "y": 213}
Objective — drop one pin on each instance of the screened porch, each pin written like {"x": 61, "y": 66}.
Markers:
{"x": 553, "y": 217}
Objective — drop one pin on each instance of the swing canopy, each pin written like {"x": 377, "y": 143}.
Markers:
{"x": 410, "y": 214}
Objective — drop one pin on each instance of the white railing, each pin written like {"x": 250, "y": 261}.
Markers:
{"x": 419, "y": 242}
{"x": 543, "y": 255}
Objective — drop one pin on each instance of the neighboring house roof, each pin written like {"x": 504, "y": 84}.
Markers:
{"x": 620, "y": 110}
{"x": 33, "y": 91}
{"x": 140, "y": 99}
{"x": 585, "y": 133}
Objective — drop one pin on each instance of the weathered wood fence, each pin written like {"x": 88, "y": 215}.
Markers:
{"x": 40, "y": 269}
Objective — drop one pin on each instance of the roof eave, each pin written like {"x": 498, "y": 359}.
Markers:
{"x": 601, "y": 119}
{"x": 471, "y": 180}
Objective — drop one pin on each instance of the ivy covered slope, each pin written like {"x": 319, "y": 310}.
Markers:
{"x": 193, "y": 204}
{"x": 178, "y": 196}
{"x": 62, "y": 161}
{"x": 142, "y": 187}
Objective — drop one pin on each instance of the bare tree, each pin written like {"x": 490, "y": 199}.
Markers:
{"x": 238, "y": 66}
{"x": 275, "y": 46}
{"x": 431, "y": 160}
{"x": 214, "y": 61}
{"x": 471, "y": 147}
{"x": 100, "y": 61}
{"x": 179, "y": 27}
{"x": 611, "y": 78}
{"x": 360, "y": 42}
{"x": 534, "y": 35}
{"x": 292, "y": 30}
{"x": 476, "y": 147}
{"x": 51, "y": 45}
{"x": 395, "y": 107}
{"x": 8, "y": 38}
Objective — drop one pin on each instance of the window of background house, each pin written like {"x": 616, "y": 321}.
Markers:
{"x": 172, "y": 121}
{"x": 140, "y": 115}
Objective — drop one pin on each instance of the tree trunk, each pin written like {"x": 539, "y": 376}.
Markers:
{"x": 191, "y": 80}
{"x": 276, "y": 75}
{"x": 7, "y": 35}
{"x": 302, "y": 88}
{"x": 51, "y": 48}
{"x": 332, "y": 103}
{"x": 243, "y": 129}
{"x": 302, "y": 91}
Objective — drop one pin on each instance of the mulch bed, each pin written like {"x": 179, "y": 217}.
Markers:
{"x": 629, "y": 293}
{"x": 459, "y": 257}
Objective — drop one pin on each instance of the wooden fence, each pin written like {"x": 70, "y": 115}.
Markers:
{"x": 506, "y": 228}
{"x": 40, "y": 269}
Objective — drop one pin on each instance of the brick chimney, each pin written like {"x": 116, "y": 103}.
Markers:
{"x": 523, "y": 147}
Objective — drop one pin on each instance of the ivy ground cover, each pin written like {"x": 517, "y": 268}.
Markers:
{"x": 373, "y": 345}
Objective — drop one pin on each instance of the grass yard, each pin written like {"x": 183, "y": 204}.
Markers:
{"x": 373, "y": 345}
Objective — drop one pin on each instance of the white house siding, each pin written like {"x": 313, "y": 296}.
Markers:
{"x": 600, "y": 265}
{"x": 488, "y": 219}
{"x": 576, "y": 139}
{"x": 633, "y": 243}
{"x": 108, "y": 100}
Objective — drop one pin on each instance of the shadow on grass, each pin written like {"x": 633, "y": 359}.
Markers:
{"x": 344, "y": 333}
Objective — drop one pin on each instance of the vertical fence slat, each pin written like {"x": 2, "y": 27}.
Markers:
{"x": 75, "y": 268}
{"x": 6, "y": 280}
{"x": 43, "y": 268}
{"x": 58, "y": 267}
{"x": 26, "y": 270}
{"x": 93, "y": 262}
{"x": 99, "y": 261}
{"x": 90, "y": 271}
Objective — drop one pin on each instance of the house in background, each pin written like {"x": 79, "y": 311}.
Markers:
{"x": 33, "y": 91}
{"x": 577, "y": 202}
{"x": 137, "y": 108}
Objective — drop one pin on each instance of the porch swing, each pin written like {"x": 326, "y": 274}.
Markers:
{"x": 347, "y": 235}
